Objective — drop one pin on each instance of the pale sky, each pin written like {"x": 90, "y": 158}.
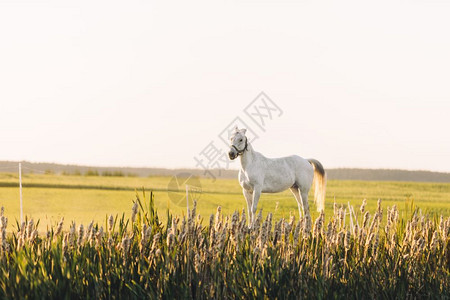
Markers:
{"x": 152, "y": 83}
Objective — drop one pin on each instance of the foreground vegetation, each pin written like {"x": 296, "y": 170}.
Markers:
{"x": 355, "y": 254}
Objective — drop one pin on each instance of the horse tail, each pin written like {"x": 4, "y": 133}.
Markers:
{"x": 320, "y": 183}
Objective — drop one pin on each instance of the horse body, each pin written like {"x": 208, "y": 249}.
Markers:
{"x": 259, "y": 174}
{"x": 273, "y": 175}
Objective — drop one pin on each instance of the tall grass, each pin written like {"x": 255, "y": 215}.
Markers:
{"x": 142, "y": 258}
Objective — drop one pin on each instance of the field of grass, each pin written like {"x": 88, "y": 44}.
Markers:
{"x": 85, "y": 198}
{"x": 385, "y": 257}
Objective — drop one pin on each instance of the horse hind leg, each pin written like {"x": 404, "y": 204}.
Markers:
{"x": 298, "y": 197}
{"x": 304, "y": 196}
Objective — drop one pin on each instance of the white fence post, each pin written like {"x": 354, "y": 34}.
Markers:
{"x": 20, "y": 189}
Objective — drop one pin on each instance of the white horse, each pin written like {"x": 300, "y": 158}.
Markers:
{"x": 259, "y": 174}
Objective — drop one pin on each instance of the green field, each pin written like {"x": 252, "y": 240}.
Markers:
{"x": 393, "y": 254}
{"x": 85, "y": 198}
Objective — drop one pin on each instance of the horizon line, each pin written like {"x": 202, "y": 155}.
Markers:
{"x": 200, "y": 169}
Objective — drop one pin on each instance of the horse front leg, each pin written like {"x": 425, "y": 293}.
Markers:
{"x": 256, "y": 195}
{"x": 249, "y": 198}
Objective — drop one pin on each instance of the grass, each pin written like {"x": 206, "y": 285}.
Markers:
{"x": 143, "y": 258}
{"x": 86, "y": 198}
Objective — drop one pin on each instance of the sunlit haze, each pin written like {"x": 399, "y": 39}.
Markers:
{"x": 153, "y": 83}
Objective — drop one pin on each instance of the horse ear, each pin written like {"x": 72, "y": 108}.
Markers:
{"x": 236, "y": 129}
{"x": 243, "y": 131}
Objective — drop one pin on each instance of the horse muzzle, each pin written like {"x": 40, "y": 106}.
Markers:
{"x": 232, "y": 154}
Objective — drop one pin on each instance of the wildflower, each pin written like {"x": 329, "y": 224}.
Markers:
{"x": 342, "y": 217}
{"x": 340, "y": 239}
{"x": 291, "y": 222}
{"x": 375, "y": 223}
{"x": 3, "y": 224}
{"x": 444, "y": 227}
{"x": 242, "y": 227}
{"x": 3, "y": 238}
{"x": 194, "y": 209}
{"x": 366, "y": 219}
{"x": 285, "y": 229}
{"x": 227, "y": 224}
{"x": 221, "y": 241}
{"x": 394, "y": 214}
{"x": 211, "y": 222}
{"x": 234, "y": 222}
{"x": 218, "y": 218}
{"x": 92, "y": 236}
{"x": 87, "y": 233}
{"x": 155, "y": 241}
{"x": 80, "y": 234}
{"x": 20, "y": 242}
{"x": 197, "y": 262}
{"x": 134, "y": 211}
{"x": 277, "y": 232}
{"x": 110, "y": 223}
{"x": 99, "y": 237}
{"x": 65, "y": 243}
{"x": 319, "y": 223}
{"x": 125, "y": 245}
{"x": 183, "y": 225}
{"x": 143, "y": 232}
{"x": 375, "y": 245}
{"x": 22, "y": 229}
{"x": 393, "y": 244}
{"x": 379, "y": 209}
{"x": 347, "y": 240}
{"x": 356, "y": 230}
{"x": 170, "y": 240}
{"x": 297, "y": 232}
{"x": 174, "y": 225}
{"x": 363, "y": 206}
{"x": 212, "y": 234}
{"x": 329, "y": 232}
{"x": 434, "y": 241}
{"x": 3, "y": 221}
{"x": 71, "y": 235}
{"x": 418, "y": 246}
{"x": 59, "y": 227}
{"x": 146, "y": 231}
{"x": 33, "y": 236}
{"x": 30, "y": 227}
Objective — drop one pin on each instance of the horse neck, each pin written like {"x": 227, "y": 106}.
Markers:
{"x": 247, "y": 157}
